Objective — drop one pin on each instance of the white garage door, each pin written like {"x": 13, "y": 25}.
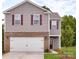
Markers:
{"x": 27, "y": 44}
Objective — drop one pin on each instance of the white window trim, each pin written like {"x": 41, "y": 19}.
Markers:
{"x": 38, "y": 18}
{"x": 54, "y": 23}
{"x": 17, "y": 17}
{"x": 36, "y": 15}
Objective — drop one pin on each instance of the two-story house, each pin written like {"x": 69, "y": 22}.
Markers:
{"x": 31, "y": 28}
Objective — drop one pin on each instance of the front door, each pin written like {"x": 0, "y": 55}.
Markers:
{"x": 51, "y": 43}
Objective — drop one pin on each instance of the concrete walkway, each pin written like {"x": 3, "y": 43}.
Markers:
{"x": 13, "y": 55}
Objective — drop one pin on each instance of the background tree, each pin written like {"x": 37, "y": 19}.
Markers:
{"x": 68, "y": 30}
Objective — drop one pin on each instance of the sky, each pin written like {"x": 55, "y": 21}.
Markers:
{"x": 63, "y": 7}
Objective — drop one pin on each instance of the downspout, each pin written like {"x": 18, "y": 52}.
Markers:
{"x": 49, "y": 31}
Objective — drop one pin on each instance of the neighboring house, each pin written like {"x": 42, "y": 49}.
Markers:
{"x": 31, "y": 28}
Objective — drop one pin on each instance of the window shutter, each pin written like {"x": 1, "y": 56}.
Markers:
{"x": 50, "y": 24}
{"x": 40, "y": 19}
{"x": 57, "y": 24}
{"x": 12, "y": 19}
{"x": 21, "y": 19}
{"x": 31, "y": 19}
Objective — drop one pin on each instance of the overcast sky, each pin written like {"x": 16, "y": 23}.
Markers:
{"x": 63, "y": 7}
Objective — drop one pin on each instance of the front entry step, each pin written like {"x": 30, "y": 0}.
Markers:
{"x": 54, "y": 52}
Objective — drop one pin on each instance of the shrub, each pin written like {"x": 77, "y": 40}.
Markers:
{"x": 59, "y": 51}
{"x": 46, "y": 50}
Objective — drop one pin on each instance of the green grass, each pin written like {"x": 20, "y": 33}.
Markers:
{"x": 70, "y": 50}
{"x": 51, "y": 56}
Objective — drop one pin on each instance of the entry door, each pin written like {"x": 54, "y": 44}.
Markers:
{"x": 52, "y": 43}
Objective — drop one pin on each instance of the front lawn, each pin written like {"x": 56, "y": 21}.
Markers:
{"x": 51, "y": 56}
{"x": 70, "y": 50}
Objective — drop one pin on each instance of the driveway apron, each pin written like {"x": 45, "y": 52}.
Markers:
{"x": 17, "y": 55}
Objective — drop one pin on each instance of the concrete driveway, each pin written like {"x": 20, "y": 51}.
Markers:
{"x": 15, "y": 55}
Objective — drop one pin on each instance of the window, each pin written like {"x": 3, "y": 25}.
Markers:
{"x": 54, "y": 23}
{"x": 17, "y": 19}
{"x": 36, "y": 18}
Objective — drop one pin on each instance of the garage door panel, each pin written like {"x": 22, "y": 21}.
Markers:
{"x": 27, "y": 44}
{"x": 17, "y": 44}
{"x": 36, "y": 44}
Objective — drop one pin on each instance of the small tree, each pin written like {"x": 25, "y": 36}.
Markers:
{"x": 68, "y": 25}
{"x": 67, "y": 36}
{"x": 67, "y": 33}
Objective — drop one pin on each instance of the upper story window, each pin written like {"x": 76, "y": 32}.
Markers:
{"x": 17, "y": 18}
{"x": 54, "y": 23}
{"x": 36, "y": 19}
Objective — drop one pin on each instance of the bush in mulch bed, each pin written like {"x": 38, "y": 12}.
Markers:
{"x": 67, "y": 57}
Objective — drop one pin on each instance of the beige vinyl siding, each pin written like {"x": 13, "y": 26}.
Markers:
{"x": 26, "y": 9}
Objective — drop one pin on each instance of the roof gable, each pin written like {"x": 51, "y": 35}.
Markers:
{"x": 6, "y": 11}
{"x": 54, "y": 15}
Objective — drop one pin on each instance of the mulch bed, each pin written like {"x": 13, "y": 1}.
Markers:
{"x": 67, "y": 57}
